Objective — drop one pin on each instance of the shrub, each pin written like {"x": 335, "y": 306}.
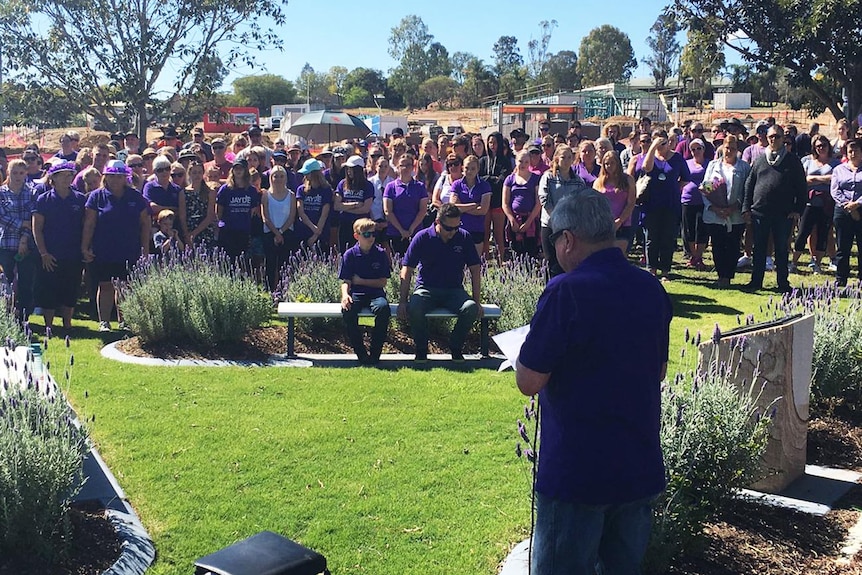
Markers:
{"x": 11, "y": 331}
{"x": 41, "y": 460}
{"x": 516, "y": 288}
{"x": 202, "y": 297}
{"x": 837, "y": 361}
{"x": 712, "y": 437}
{"x": 312, "y": 276}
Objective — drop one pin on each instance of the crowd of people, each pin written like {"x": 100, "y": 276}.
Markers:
{"x": 107, "y": 205}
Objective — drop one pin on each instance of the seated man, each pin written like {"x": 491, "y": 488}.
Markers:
{"x": 365, "y": 269}
{"x": 440, "y": 252}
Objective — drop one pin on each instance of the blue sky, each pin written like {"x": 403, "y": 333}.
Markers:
{"x": 357, "y": 34}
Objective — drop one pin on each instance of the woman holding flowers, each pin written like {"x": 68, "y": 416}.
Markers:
{"x": 722, "y": 189}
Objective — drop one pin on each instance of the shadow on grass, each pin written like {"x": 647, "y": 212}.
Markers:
{"x": 692, "y": 306}
{"x": 467, "y": 366}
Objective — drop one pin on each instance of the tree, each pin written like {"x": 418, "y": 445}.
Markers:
{"x": 264, "y": 91}
{"x": 459, "y": 65}
{"x": 419, "y": 58}
{"x": 101, "y": 52}
{"x": 561, "y": 71}
{"x": 665, "y": 48}
{"x": 507, "y": 57}
{"x": 369, "y": 80}
{"x": 439, "y": 63}
{"x": 479, "y": 82}
{"x": 538, "y": 48}
{"x": 336, "y": 77}
{"x": 357, "y": 97}
{"x": 605, "y": 56}
{"x": 817, "y": 41}
{"x": 702, "y": 59}
{"x": 36, "y": 105}
{"x": 312, "y": 86}
{"x": 440, "y": 89}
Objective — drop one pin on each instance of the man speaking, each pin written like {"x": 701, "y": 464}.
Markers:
{"x": 596, "y": 354}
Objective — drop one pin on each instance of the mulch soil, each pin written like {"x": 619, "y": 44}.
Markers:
{"x": 748, "y": 538}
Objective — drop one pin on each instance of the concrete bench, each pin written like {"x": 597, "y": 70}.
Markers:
{"x": 292, "y": 310}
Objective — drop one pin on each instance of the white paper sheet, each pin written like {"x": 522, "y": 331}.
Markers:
{"x": 510, "y": 343}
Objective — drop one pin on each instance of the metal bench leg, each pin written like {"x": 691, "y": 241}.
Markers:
{"x": 483, "y": 337}
{"x": 291, "y": 334}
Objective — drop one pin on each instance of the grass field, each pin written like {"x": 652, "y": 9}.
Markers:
{"x": 382, "y": 471}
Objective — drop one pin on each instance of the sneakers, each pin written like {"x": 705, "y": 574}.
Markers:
{"x": 832, "y": 267}
{"x": 122, "y": 326}
{"x": 743, "y": 262}
{"x": 792, "y": 268}
{"x": 770, "y": 263}
{"x": 104, "y": 326}
{"x": 815, "y": 268}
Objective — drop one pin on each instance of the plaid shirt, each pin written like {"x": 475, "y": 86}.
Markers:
{"x": 16, "y": 210}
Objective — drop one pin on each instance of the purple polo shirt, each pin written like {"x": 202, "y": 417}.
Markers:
{"x": 238, "y": 204}
{"x": 441, "y": 264}
{"x": 468, "y": 195}
{"x": 586, "y": 175}
{"x": 366, "y": 193}
{"x": 523, "y": 195}
{"x": 64, "y": 223}
{"x": 601, "y": 407}
{"x": 167, "y": 196}
{"x": 312, "y": 204}
{"x": 405, "y": 202}
{"x": 117, "y": 238}
{"x": 373, "y": 265}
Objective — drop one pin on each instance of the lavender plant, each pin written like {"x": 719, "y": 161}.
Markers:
{"x": 12, "y": 333}
{"x": 516, "y": 288}
{"x": 837, "y": 361}
{"x": 198, "y": 296}
{"x": 712, "y": 437}
{"x": 42, "y": 448}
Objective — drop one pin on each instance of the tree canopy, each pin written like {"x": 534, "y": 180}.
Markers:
{"x": 605, "y": 56}
{"x": 817, "y": 41}
{"x": 665, "y": 48}
{"x": 100, "y": 53}
{"x": 264, "y": 91}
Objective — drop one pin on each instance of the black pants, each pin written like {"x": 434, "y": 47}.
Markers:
{"x": 847, "y": 232}
{"x": 380, "y": 308}
{"x": 813, "y": 218}
{"x": 725, "y": 248}
{"x": 662, "y": 228}
{"x": 554, "y": 268}
{"x": 276, "y": 256}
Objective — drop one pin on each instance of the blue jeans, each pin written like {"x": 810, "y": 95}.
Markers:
{"x": 380, "y": 308}
{"x": 25, "y": 270}
{"x": 573, "y": 539}
{"x": 455, "y": 300}
{"x": 779, "y": 227}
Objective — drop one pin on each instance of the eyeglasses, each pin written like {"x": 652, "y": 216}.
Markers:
{"x": 555, "y": 236}
{"x": 367, "y": 235}
{"x": 450, "y": 228}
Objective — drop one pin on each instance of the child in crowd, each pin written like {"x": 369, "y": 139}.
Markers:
{"x": 365, "y": 269}
{"x": 167, "y": 238}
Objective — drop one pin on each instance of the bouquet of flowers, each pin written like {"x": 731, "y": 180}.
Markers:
{"x": 715, "y": 192}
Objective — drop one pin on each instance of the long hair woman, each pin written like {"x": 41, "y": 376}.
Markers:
{"x": 619, "y": 188}
{"x": 197, "y": 207}
{"x": 494, "y": 168}
{"x": 237, "y": 202}
{"x": 556, "y": 183}
{"x": 279, "y": 215}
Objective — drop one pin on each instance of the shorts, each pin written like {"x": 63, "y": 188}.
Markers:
{"x": 58, "y": 288}
{"x": 109, "y": 271}
{"x": 477, "y": 237}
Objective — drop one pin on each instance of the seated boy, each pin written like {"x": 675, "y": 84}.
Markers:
{"x": 167, "y": 238}
{"x": 365, "y": 269}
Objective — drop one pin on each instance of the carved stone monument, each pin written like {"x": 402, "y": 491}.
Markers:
{"x": 784, "y": 351}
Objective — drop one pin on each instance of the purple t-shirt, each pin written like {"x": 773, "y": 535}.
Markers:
{"x": 64, "y": 222}
{"x": 405, "y": 202}
{"x": 586, "y": 175}
{"x": 468, "y": 195}
{"x": 691, "y": 195}
{"x": 600, "y": 415}
{"x": 238, "y": 204}
{"x": 312, "y": 204}
{"x": 523, "y": 195}
{"x": 373, "y": 265}
{"x": 665, "y": 176}
{"x": 117, "y": 238}
{"x": 167, "y": 196}
{"x": 366, "y": 193}
{"x": 441, "y": 264}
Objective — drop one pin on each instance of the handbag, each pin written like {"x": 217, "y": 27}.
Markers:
{"x": 641, "y": 186}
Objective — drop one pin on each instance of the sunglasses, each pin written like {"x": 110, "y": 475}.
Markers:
{"x": 547, "y": 145}
{"x": 698, "y": 131}
{"x": 178, "y": 175}
{"x": 136, "y": 165}
{"x": 697, "y": 149}
{"x": 218, "y": 147}
{"x": 552, "y": 239}
{"x": 544, "y": 129}
{"x": 453, "y": 164}
{"x": 449, "y": 228}
{"x": 367, "y": 235}
{"x": 160, "y": 170}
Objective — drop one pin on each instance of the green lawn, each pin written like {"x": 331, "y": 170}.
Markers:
{"x": 409, "y": 472}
